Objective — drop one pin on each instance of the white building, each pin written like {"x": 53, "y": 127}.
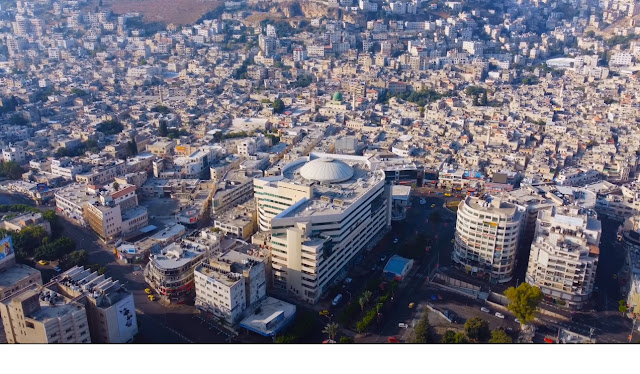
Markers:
{"x": 564, "y": 254}
{"x": 229, "y": 284}
{"x": 14, "y": 153}
{"x": 486, "y": 239}
{"x": 577, "y": 177}
{"x": 322, "y": 212}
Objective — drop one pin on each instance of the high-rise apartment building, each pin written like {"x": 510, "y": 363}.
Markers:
{"x": 486, "y": 239}
{"x": 322, "y": 211}
{"x": 564, "y": 254}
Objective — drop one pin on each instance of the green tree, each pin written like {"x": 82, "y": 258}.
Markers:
{"x": 75, "y": 258}
{"x": 452, "y": 337}
{"x": 11, "y": 170}
{"x": 622, "y": 306}
{"x": 116, "y": 186}
{"x": 110, "y": 127}
{"x": 18, "y": 120}
{"x": 346, "y": 340}
{"x": 477, "y": 329}
{"x": 132, "y": 147}
{"x": 278, "y": 106}
{"x": 500, "y": 337}
{"x": 331, "y": 329}
{"x": 523, "y": 301}
{"x": 421, "y": 331}
{"x": 364, "y": 299}
{"x": 162, "y": 129}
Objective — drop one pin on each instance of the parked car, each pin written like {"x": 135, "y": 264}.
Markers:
{"x": 393, "y": 339}
{"x": 57, "y": 269}
{"x": 433, "y": 205}
{"x": 152, "y": 298}
{"x": 395, "y": 240}
{"x": 148, "y": 291}
{"x": 337, "y": 300}
{"x": 499, "y": 315}
{"x": 383, "y": 258}
{"x": 348, "y": 281}
{"x": 411, "y": 305}
{"x": 486, "y": 310}
{"x": 403, "y": 325}
{"x": 43, "y": 262}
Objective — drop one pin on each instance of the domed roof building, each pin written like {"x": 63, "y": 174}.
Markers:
{"x": 337, "y": 96}
{"x": 326, "y": 169}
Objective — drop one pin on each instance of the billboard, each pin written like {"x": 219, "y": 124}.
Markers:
{"x": 6, "y": 248}
{"x": 127, "y": 323}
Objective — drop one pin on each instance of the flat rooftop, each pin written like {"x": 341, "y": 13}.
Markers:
{"x": 334, "y": 197}
{"x": 176, "y": 255}
{"x": 14, "y": 274}
{"x": 491, "y": 205}
{"x": 136, "y": 211}
{"x": 270, "y": 317}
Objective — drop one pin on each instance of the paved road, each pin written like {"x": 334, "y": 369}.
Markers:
{"x": 159, "y": 324}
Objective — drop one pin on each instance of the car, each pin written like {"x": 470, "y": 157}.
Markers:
{"x": 499, "y": 315}
{"x": 395, "y": 240}
{"x": 348, "y": 281}
{"x": 433, "y": 205}
{"x": 403, "y": 325}
{"x": 423, "y": 201}
{"x": 411, "y": 305}
{"x": 57, "y": 269}
{"x": 486, "y": 310}
{"x": 147, "y": 291}
{"x": 447, "y": 194}
{"x": 393, "y": 339}
{"x": 337, "y": 300}
{"x": 374, "y": 268}
{"x": 152, "y": 298}
{"x": 434, "y": 297}
{"x": 383, "y": 258}
{"x": 324, "y": 313}
{"x": 43, "y": 262}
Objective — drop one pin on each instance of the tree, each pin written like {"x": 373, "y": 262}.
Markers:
{"x": 162, "y": 129}
{"x": 278, "y": 106}
{"x": 75, "y": 258}
{"x": 331, "y": 329}
{"x": 421, "y": 331}
{"x": 116, "y": 186}
{"x": 365, "y": 298}
{"x": 11, "y": 170}
{"x": 500, "y": 337}
{"x": 477, "y": 329}
{"x": 110, "y": 127}
{"x": 523, "y": 301}
{"x": 346, "y": 340}
{"x": 362, "y": 301}
{"x": 132, "y": 147}
{"x": 452, "y": 337}
{"x": 622, "y": 306}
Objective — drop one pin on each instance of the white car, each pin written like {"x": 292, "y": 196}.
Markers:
{"x": 499, "y": 315}
{"x": 403, "y": 325}
{"x": 486, "y": 310}
{"x": 395, "y": 240}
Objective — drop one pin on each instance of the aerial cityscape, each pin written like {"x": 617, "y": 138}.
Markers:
{"x": 320, "y": 171}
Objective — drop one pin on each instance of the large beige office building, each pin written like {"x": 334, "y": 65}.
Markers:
{"x": 486, "y": 239}
{"x": 564, "y": 254}
{"x": 322, "y": 211}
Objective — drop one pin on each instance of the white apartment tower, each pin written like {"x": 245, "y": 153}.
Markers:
{"x": 321, "y": 212}
{"x": 486, "y": 239}
{"x": 564, "y": 254}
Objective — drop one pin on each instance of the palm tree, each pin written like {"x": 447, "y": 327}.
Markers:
{"x": 367, "y": 296}
{"x": 331, "y": 329}
{"x": 362, "y": 301}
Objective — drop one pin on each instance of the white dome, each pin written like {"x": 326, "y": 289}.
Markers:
{"x": 326, "y": 169}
